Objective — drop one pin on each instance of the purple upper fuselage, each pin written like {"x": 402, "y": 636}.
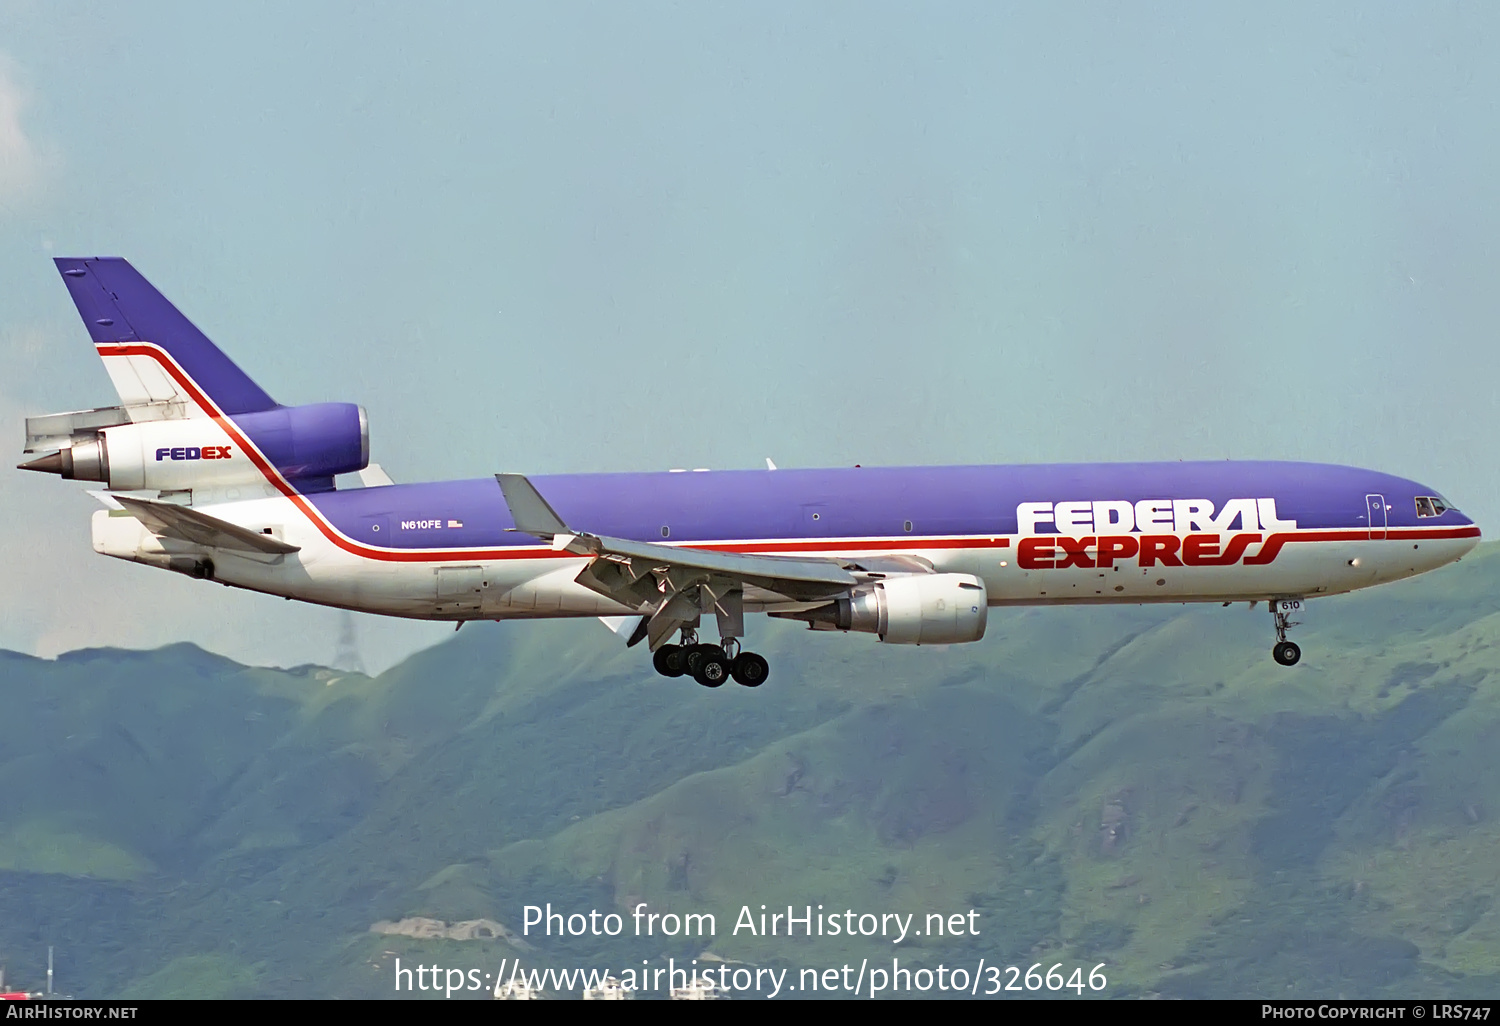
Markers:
{"x": 858, "y": 502}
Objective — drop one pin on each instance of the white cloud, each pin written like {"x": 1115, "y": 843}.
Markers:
{"x": 20, "y": 160}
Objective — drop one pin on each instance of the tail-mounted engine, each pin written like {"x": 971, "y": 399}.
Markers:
{"x": 923, "y": 609}
{"x": 307, "y": 444}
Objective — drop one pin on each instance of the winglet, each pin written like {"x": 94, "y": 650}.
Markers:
{"x": 528, "y": 509}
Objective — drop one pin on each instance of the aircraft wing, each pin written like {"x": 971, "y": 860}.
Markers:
{"x": 190, "y": 525}
{"x": 676, "y": 583}
{"x": 797, "y": 578}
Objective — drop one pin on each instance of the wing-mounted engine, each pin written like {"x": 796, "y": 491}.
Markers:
{"x": 307, "y": 444}
{"x": 921, "y": 609}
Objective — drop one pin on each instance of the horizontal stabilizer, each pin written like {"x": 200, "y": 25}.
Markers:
{"x": 107, "y": 500}
{"x": 186, "y": 524}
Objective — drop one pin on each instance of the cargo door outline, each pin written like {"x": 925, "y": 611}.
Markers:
{"x": 459, "y": 588}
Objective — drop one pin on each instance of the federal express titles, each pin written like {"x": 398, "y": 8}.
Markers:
{"x": 1168, "y": 532}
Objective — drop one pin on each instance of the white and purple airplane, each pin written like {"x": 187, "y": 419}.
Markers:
{"x": 207, "y": 475}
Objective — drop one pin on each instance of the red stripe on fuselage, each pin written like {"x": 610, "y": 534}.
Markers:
{"x": 1274, "y": 543}
{"x": 1267, "y": 553}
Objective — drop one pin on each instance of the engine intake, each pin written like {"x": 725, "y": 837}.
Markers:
{"x": 923, "y": 609}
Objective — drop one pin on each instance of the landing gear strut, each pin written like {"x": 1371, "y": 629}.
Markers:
{"x": 1285, "y": 652}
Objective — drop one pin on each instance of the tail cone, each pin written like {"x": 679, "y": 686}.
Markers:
{"x": 52, "y": 463}
{"x": 85, "y": 461}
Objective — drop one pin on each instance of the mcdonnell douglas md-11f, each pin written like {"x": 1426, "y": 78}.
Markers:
{"x": 207, "y": 475}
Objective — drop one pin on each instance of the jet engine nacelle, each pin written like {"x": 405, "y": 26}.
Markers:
{"x": 923, "y": 609}
{"x": 305, "y": 443}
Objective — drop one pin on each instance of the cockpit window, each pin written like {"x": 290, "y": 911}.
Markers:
{"x": 1433, "y": 506}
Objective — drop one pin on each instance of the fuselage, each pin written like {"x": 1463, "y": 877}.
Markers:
{"x": 1036, "y": 534}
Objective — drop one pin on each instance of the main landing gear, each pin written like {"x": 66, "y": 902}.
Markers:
{"x": 1285, "y": 652}
{"x": 711, "y": 665}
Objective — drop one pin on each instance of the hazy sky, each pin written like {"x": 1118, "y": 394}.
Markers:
{"x": 636, "y": 236}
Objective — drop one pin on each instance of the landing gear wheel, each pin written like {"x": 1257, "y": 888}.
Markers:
{"x": 750, "y": 669}
{"x": 669, "y": 662}
{"x": 693, "y": 656}
{"x": 1286, "y": 653}
{"x": 713, "y": 667}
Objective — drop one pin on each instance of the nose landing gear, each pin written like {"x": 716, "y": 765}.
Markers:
{"x": 1285, "y": 652}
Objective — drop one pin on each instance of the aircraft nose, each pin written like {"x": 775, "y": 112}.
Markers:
{"x": 1458, "y": 518}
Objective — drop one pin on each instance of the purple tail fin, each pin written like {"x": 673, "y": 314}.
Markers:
{"x": 120, "y": 307}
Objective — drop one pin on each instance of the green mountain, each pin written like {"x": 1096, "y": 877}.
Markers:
{"x": 1139, "y": 786}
